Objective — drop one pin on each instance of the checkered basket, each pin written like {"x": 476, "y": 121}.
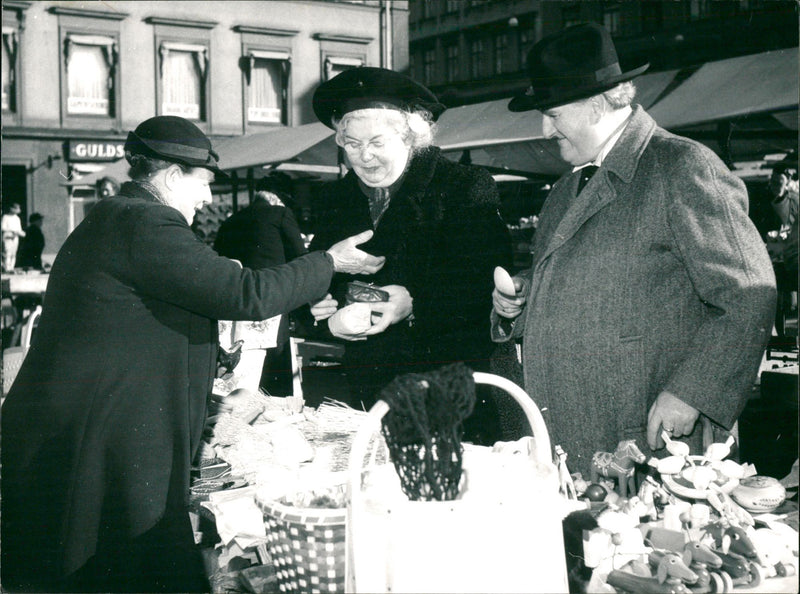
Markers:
{"x": 306, "y": 546}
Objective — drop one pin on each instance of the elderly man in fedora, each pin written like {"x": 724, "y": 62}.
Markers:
{"x": 651, "y": 295}
{"x": 103, "y": 420}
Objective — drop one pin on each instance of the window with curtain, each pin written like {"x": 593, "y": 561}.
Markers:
{"x": 9, "y": 69}
{"x": 266, "y": 93}
{"x": 183, "y": 70}
{"x": 90, "y": 61}
{"x": 337, "y": 64}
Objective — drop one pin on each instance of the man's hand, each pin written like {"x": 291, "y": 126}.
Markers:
{"x": 671, "y": 414}
{"x": 510, "y": 306}
{"x": 349, "y": 259}
{"x": 324, "y": 308}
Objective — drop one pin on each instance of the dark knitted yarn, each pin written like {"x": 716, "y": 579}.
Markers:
{"x": 424, "y": 427}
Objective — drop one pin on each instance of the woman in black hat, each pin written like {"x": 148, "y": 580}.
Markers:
{"x": 103, "y": 420}
{"x": 435, "y": 221}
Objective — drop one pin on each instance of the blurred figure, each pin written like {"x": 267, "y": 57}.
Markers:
{"x": 264, "y": 234}
{"x": 107, "y": 186}
{"x": 11, "y": 228}
{"x": 32, "y": 246}
{"x": 783, "y": 243}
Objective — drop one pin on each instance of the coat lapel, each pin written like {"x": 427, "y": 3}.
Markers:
{"x": 620, "y": 163}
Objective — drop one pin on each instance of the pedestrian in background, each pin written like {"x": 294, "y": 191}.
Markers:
{"x": 32, "y": 246}
{"x": 651, "y": 295}
{"x": 11, "y": 228}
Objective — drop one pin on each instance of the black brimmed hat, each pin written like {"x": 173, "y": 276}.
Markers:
{"x": 575, "y": 63}
{"x": 173, "y": 139}
{"x": 365, "y": 87}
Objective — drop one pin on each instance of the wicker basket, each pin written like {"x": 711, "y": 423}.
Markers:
{"x": 307, "y": 546}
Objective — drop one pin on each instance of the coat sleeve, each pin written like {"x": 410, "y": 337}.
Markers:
{"x": 169, "y": 263}
{"x": 730, "y": 271}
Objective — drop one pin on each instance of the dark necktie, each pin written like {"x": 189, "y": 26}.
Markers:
{"x": 586, "y": 174}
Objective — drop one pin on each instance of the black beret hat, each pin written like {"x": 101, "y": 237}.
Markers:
{"x": 173, "y": 139}
{"x": 365, "y": 87}
{"x": 575, "y": 63}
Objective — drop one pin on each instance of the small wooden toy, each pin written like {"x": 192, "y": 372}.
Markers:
{"x": 619, "y": 466}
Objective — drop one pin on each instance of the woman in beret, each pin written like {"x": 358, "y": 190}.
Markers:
{"x": 103, "y": 420}
{"x": 436, "y": 222}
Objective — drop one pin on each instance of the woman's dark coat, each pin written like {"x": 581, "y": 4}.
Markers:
{"x": 442, "y": 236}
{"x": 101, "y": 425}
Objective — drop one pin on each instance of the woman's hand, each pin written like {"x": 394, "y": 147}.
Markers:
{"x": 386, "y": 313}
{"x": 510, "y": 306}
{"x": 324, "y": 308}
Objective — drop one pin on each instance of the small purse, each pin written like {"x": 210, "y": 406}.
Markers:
{"x": 359, "y": 292}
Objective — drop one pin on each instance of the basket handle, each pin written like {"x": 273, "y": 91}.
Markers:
{"x": 372, "y": 424}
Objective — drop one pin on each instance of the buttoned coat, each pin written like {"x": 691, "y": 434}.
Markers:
{"x": 442, "y": 235}
{"x": 653, "y": 278}
{"x": 104, "y": 418}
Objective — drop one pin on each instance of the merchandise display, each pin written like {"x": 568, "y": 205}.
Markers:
{"x": 327, "y": 493}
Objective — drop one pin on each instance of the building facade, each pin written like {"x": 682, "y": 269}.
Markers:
{"x": 78, "y": 75}
{"x": 469, "y": 51}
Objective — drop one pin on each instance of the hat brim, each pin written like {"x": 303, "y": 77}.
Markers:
{"x": 529, "y": 102}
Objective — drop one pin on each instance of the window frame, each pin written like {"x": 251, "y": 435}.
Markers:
{"x": 93, "y": 28}
{"x": 268, "y": 44}
{"x": 11, "y": 43}
{"x": 341, "y": 49}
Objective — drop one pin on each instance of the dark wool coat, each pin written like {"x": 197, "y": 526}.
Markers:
{"x": 653, "y": 278}
{"x": 260, "y": 235}
{"x": 31, "y": 248}
{"x": 101, "y": 425}
{"x": 442, "y": 236}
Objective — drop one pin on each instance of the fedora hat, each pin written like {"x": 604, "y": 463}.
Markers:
{"x": 573, "y": 64}
{"x": 365, "y": 87}
{"x": 173, "y": 139}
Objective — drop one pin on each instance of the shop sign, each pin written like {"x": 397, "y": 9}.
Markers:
{"x": 96, "y": 150}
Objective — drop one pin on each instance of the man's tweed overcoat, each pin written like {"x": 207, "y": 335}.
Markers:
{"x": 102, "y": 422}
{"x": 652, "y": 279}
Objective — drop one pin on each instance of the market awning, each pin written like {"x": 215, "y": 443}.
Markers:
{"x": 503, "y": 140}
{"x": 272, "y": 146}
{"x": 731, "y": 88}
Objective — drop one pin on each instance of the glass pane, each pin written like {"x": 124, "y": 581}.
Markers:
{"x": 181, "y": 85}
{"x": 265, "y": 93}
{"x": 6, "y": 78}
{"x": 87, "y": 80}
